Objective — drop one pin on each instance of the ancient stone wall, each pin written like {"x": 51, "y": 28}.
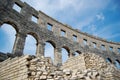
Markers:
{"x": 35, "y": 68}
{"x": 96, "y": 60}
{"x": 75, "y": 63}
{"x": 72, "y": 40}
{"x": 14, "y": 69}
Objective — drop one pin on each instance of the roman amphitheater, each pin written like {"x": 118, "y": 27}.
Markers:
{"x": 97, "y": 60}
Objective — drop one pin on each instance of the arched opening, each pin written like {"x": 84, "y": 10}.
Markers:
{"x": 108, "y": 60}
{"x": 65, "y": 54}
{"x": 7, "y": 38}
{"x": 117, "y": 64}
{"x": 30, "y": 45}
{"x": 49, "y": 49}
{"x": 77, "y": 53}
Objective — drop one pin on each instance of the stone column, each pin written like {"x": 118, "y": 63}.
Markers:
{"x": 19, "y": 44}
{"x": 41, "y": 21}
{"x": 107, "y": 47}
{"x": 81, "y": 41}
{"x": 71, "y": 54}
{"x": 115, "y": 49}
{"x": 1, "y": 23}
{"x": 58, "y": 56}
{"x": 98, "y": 45}
{"x": 40, "y": 49}
{"x": 89, "y": 43}
{"x": 56, "y": 30}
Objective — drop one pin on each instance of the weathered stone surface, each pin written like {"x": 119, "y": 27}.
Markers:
{"x": 24, "y": 25}
{"x": 18, "y": 69}
{"x": 90, "y": 64}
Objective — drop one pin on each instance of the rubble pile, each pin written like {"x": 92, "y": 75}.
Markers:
{"x": 43, "y": 69}
{"x": 34, "y": 68}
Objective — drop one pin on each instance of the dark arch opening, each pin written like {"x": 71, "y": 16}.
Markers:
{"x": 30, "y": 45}
{"x": 77, "y": 53}
{"x": 49, "y": 49}
{"x": 13, "y": 24}
{"x": 117, "y": 64}
{"x": 34, "y": 35}
{"x": 65, "y": 53}
{"x": 52, "y": 43}
{"x": 108, "y": 60}
{"x": 7, "y": 37}
{"x": 65, "y": 47}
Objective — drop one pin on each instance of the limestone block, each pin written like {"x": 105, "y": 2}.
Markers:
{"x": 43, "y": 77}
{"x": 45, "y": 73}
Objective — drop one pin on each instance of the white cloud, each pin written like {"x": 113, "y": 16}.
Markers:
{"x": 93, "y": 28}
{"x": 82, "y": 12}
{"x": 85, "y": 22}
{"x": 81, "y": 6}
{"x": 106, "y": 32}
{"x": 100, "y": 16}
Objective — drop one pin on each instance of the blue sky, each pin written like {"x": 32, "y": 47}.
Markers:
{"x": 97, "y": 17}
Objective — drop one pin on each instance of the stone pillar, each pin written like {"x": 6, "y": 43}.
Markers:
{"x": 19, "y": 44}
{"x": 89, "y": 43}
{"x": 58, "y": 57}
{"x": 98, "y": 45}
{"x": 71, "y": 54}
{"x": 1, "y": 23}
{"x": 56, "y": 30}
{"x": 40, "y": 49}
{"x": 81, "y": 41}
{"x": 107, "y": 47}
{"x": 41, "y": 21}
{"x": 115, "y": 49}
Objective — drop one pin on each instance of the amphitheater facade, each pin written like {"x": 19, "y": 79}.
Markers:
{"x": 97, "y": 60}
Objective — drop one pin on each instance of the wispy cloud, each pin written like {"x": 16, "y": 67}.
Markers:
{"x": 85, "y": 22}
{"x": 107, "y": 31}
{"x": 80, "y": 7}
{"x": 100, "y": 16}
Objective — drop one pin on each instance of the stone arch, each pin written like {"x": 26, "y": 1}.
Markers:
{"x": 13, "y": 23}
{"x": 11, "y": 39}
{"x": 52, "y": 43}
{"x": 77, "y": 52}
{"x": 50, "y": 49}
{"x": 65, "y": 53}
{"x": 34, "y": 35}
{"x": 108, "y": 60}
{"x": 117, "y": 63}
{"x": 67, "y": 48}
{"x": 34, "y": 38}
